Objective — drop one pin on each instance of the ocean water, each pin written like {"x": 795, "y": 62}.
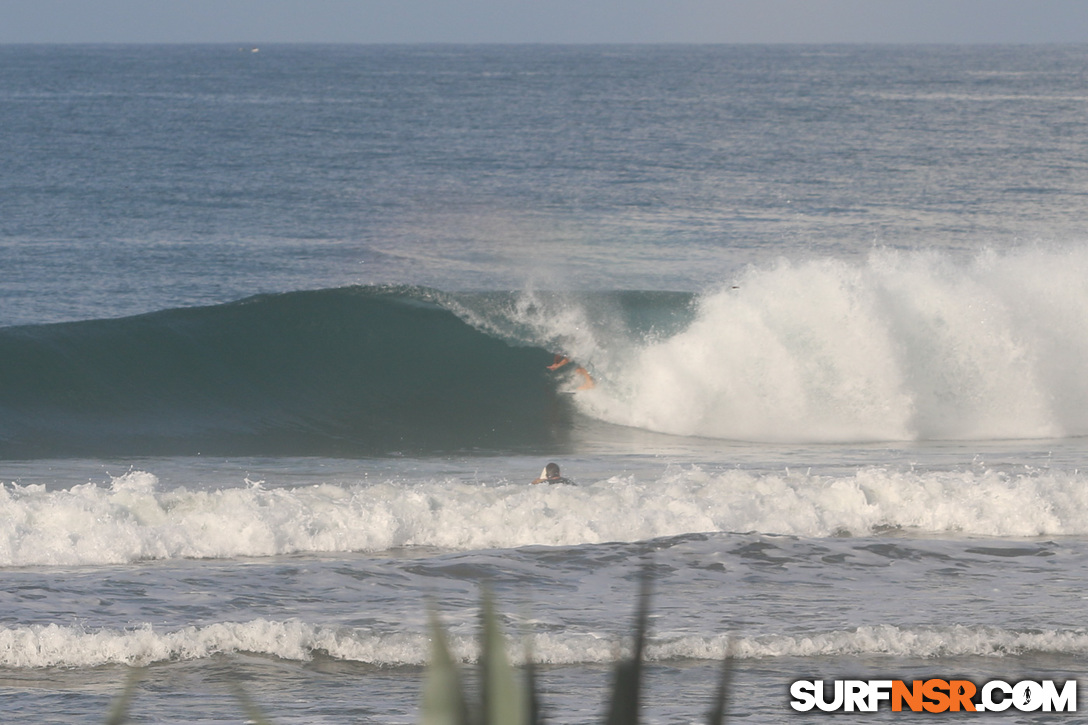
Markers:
{"x": 274, "y": 337}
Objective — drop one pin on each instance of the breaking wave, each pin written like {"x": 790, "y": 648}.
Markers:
{"x": 132, "y": 520}
{"x": 899, "y": 346}
{"x": 54, "y": 645}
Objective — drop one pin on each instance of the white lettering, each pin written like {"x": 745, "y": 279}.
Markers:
{"x": 836, "y": 703}
{"x": 993, "y": 696}
{"x": 1065, "y": 701}
{"x": 856, "y": 695}
{"x": 987, "y": 696}
{"x": 879, "y": 690}
{"x": 1027, "y": 696}
{"x": 804, "y": 695}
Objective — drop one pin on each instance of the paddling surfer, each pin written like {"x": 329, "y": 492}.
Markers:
{"x": 551, "y": 474}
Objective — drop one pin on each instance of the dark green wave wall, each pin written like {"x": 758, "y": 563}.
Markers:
{"x": 354, "y": 371}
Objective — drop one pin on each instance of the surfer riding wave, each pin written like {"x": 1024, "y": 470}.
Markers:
{"x": 560, "y": 360}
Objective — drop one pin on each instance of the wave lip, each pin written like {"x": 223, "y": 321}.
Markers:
{"x": 52, "y": 645}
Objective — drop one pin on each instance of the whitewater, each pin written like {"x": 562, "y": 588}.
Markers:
{"x": 131, "y": 520}
{"x": 275, "y": 332}
{"x": 896, "y": 347}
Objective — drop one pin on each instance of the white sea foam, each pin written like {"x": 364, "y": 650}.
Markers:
{"x": 899, "y": 346}
{"x": 75, "y": 646}
{"x": 132, "y": 520}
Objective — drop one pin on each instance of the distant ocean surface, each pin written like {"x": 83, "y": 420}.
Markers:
{"x": 274, "y": 335}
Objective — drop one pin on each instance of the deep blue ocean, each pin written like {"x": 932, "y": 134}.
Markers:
{"x": 275, "y": 327}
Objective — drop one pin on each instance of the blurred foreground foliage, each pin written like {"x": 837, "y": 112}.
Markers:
{"x": 502, "y": 697}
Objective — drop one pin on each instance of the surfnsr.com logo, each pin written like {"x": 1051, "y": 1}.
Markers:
{"x": 934, "y": 695}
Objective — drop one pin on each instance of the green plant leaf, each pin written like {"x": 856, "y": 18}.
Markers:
{"x": 532, "y": 690}
{"x": 443, "y": 694}
{"x": 119, "y": 712}
{"x": 504, "y": 701}
{"x": 252, "y": 711}
{"x": 624, "y": 706}
{"x": 725, "y": 684}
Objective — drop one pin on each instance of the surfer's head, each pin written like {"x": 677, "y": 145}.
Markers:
{"x": 551, "y": 470}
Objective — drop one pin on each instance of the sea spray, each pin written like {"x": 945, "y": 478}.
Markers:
{"x": 899, "y": 346}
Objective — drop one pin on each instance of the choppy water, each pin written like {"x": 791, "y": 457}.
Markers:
{"x": 272, "y": 370}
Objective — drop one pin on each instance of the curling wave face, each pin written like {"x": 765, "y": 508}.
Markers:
{"x": 350, "y": 371}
